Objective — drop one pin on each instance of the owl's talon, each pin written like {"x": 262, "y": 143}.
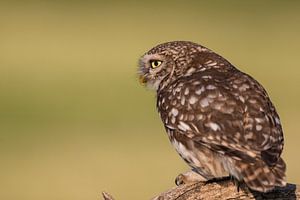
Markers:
{"x": 189, "y": 177}
{"x": 179, "y": 180}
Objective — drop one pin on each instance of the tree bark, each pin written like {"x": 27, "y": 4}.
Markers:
{"x": 222, "y": 190}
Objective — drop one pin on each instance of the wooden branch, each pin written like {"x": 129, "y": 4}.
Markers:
{"x": 222, "y": 190}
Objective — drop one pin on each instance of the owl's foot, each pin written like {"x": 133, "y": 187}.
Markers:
{"x": 189, "y": 177}
{"x": 219, "y": 179}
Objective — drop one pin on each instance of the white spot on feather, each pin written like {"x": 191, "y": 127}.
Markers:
{"x": 277, "y": 120}
{"x": 250, "y": 153}
{"x": 244, "y": 87}
{"x": 170, "y": 127}
{"x": 259, "y": 120}
{"x": 212, "y": 64}
{"x": 199, "y": 116}
{"x": 210, "y": 137}
{"x": 196, "y": 83}
{"x": 190, "y": 71}
{"x": 242, "y": 99}
{"x": 173, "y": 120}
{"x": 214, "y": 126}
{"x": 210, "y": 87}
{"x": 199, "y": 91}
{"x": 204, "y": 102}
{"x": 183, "y": 126}
{"x": 258, "y": 127}
{"x": 174, "y": 111}
{"x": 186, "y": 91}
{"x": 207, "y": 77}
{"x": 193, "y": 100}
{"x": 182, "y": 100}
{"x": 249, "y": 135}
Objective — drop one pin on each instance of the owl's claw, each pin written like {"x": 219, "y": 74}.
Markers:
{"x": 179, "y": 180}
{"x": 189, "y": 177}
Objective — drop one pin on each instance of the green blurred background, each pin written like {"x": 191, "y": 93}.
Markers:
{"x": 74, "y": 120}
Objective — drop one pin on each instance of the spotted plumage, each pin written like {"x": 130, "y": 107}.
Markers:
{"x": 220, "y": 120}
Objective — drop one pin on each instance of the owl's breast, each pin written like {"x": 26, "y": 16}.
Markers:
{"x": 200, "y": 158}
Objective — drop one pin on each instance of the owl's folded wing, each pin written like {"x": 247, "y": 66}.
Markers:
{"x": 238, "y": 119}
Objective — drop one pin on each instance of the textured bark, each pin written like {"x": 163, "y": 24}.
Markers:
{"x": 222, "y": 190}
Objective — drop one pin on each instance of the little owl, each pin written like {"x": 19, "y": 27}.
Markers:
{"x": 220, "y": 120}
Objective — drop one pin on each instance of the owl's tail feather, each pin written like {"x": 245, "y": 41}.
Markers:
{"x": 260, "y": 177}
{"x": 279, "y": 172}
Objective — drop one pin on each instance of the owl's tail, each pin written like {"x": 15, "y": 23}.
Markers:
{"x": 263, "y": 178}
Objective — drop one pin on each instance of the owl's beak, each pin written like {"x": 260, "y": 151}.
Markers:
{"x": 142, "y": 79}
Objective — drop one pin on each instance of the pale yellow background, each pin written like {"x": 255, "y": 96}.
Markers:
{"x": 73, "y": 119}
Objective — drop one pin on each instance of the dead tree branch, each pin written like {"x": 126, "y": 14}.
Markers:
{"x": 222, "y": 190}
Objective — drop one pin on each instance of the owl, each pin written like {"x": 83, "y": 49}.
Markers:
{"x": 220, "y": 120}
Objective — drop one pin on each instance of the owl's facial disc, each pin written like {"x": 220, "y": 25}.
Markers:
{"x": 152, "y": 69}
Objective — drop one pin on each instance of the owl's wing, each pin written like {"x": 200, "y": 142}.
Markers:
{"x": 230, "y": 115}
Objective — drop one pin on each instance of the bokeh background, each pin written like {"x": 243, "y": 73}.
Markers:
{"x": 74, "y": 120}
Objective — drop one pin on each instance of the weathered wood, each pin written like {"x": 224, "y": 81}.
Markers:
{"x": 107, "y": 196}
{"x": 222, "y": 190}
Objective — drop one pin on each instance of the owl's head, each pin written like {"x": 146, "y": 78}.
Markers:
{"x": 167, "y": 61}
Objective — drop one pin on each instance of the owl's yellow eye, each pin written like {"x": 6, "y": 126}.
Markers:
{"x": 155, "y": 63}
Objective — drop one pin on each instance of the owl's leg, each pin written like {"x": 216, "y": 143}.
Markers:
{"x": 189, "y": 177}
